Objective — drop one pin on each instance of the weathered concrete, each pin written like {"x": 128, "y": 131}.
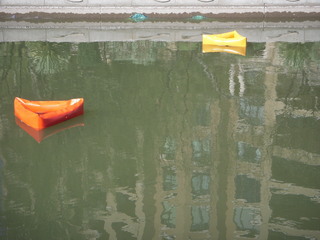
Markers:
{"x": 165, "y": 7}
{"x": 112, "y": 3}
{"x": 308, "y": 31}
{"x": 65, "y": 20}
{"x": 160, "y": 9}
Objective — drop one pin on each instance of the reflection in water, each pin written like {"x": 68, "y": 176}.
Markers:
{"x": 3, "y": 227}
{"x": 248, "y": 153}
{"x": 206, "y": 48}
{"x": 247, "y": 189}
{"x": 177, "y": 144}
{"x": 40, "y": 135}
{"x": 200, "y": 184}
{"x": 169, "y": 179}
{"x": 169, "y": 149}
{"x": 168, "y": 216}
{"x": 247, "y": 220}
{"x": 200, "y": 218}
{"x": 201, "y": 151}
{"x": 300, "y": 55}
{"x": 252, "y": 113}
{"x": 48, "y": 57}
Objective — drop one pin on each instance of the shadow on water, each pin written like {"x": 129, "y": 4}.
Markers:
{"x": 174, "y": 143}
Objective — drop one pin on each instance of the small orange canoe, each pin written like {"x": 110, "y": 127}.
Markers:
{"x": 43, "y": 114}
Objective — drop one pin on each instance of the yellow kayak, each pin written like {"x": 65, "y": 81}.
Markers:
{"x": 233, "y": 39}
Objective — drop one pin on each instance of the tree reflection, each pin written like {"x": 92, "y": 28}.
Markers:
{"x": 315, "y": 52}
{"x": 48, "y": 58}
{"x": 296, "y": 55}
{"x": 88, "y": 54}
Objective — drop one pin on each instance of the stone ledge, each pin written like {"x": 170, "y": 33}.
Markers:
{"x": 135, "y": 3}
{"x": 174, "y": 9}
{"x": 10, "y": 31}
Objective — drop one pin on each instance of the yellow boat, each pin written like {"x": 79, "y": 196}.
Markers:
{"x": 233, "y": 39}
{"x": 233, "y": 50}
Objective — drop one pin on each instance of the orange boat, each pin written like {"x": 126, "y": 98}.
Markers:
{"x": 43, "y": 114}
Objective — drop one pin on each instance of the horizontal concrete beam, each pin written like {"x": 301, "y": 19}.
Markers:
{"x": 160, "y": 31}
{"x": 231, "y": 11}
{"x": 154, "y": 2}
{"x": 104, "y": 9}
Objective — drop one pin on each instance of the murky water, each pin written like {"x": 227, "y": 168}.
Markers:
{"x": 174, "y": 143}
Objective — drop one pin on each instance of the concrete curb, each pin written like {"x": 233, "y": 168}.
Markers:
{"x": 11, "y": 31}
{"x": 159, "y": 10}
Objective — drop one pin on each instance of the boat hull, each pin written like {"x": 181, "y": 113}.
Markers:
{"x": 43, "y": 114}
{"x": 233, "y": 39}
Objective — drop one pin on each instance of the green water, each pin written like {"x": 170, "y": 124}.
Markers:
{"x": 174, "y": 143}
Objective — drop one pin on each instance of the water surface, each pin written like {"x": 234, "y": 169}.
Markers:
{"x": 174, "y": 143}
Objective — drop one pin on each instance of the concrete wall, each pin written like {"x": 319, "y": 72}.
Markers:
{"x": 161, "y": 31}
{"x": 154, "y": 2}
{"x": 99, "y": 7}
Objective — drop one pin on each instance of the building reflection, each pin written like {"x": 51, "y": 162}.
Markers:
{"x": 262, "y": 179}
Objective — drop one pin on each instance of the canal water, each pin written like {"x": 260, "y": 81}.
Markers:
{"x": 174, "y": 143}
